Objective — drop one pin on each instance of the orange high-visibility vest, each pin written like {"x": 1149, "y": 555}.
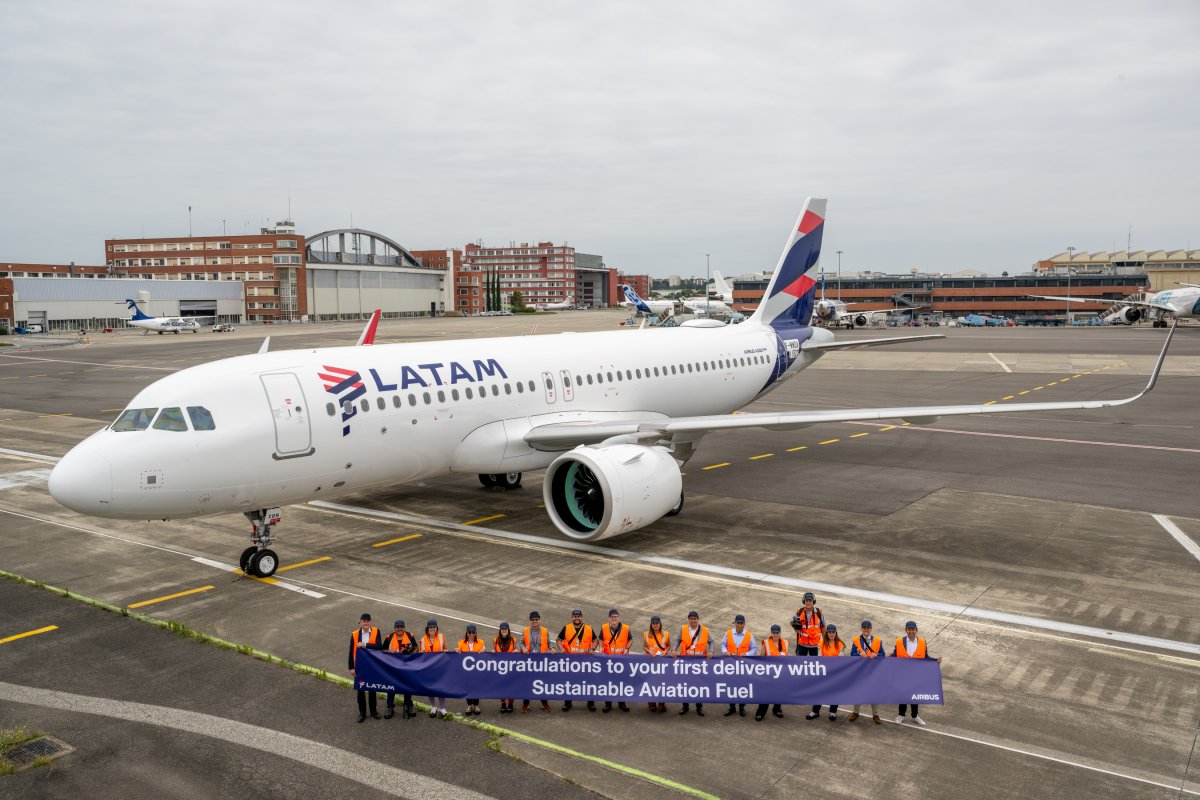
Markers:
{"x": 876, "y": 643}
{"x": 834, "y": 649}
{"x": 394, "y": 641}
{"x": 737, "y": 649}
{"x": 467, "y": 647}
{"x": 773, "y": 649}
{"x": 578, "y": 641}
{"x": 614, "y": 644}
{"x": 435, "y": 645}
{"x": 689, "y": 648}
{"x": 543, "y": 643}
{"x": 656, "y": 647}
{"x": 812, "y": 627}
{"x": 902, "y": 652}
{"x": 500, "y": 647}
{"x": 372, "y": 638}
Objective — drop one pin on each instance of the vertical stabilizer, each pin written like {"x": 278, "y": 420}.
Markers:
{"x": 137, "y": 312}
{"x": 791, "y": 294}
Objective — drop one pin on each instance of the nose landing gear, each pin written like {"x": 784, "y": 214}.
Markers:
{"x": 259, "y": 559}
{"x": 507, "y": 480}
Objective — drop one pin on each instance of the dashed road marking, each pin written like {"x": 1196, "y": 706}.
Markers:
{"x": 485, "y": 519}
{"x": 154, "y": 600}
{"x": 396, "y": 541}
{"x": 716, "y": 466}
{"x": 856, "y": 435}
{"x": 302, "y": 564}
{"x": 829, "y": 441}
{"x": 794, "y": 449}
{"x": 16, "y": 636}
{"x": 764, "y": 455}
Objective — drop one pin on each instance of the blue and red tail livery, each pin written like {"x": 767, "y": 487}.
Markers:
{"x": 137, "y": 312}
{"x": 789, "y": 299}
{"x": 347, "y": 386}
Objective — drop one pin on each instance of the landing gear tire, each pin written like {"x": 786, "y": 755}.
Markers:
{"x": 263, "y": 563}
{"x": 488, "y": 481}
{"x": 244, "y": 561}
{"x": 508, "y": 480}
{"x": 674, "y": 512}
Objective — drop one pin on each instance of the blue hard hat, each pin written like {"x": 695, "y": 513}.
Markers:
{"x": 504, "y": 626}
{"x": 398, "y": 623}
{"x": 471, "y": 629}
{"x": 910, "y": 624}
{"x": 431, "y": 624}
{"x": 831, "y": 627}
{"x": 866, "y": 623}
{"x": 656, "y": 618}
{"x": 739, "y": 618}
{"x": 775, "y": 629}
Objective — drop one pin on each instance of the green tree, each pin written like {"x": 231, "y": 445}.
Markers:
{"x": 517, "y": 301}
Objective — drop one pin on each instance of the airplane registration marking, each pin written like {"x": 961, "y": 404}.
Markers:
{"x": 303, "y": 564}
{"x": 764, "y": 455}
{"x": 394, "y": 541}
{"x": 485, "y": 519}
{"x": 716, "y": 466}
{"x": 16, "y": 636}
{"x": 154, "y": 600}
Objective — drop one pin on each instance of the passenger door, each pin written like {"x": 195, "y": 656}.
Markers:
{"x": 293, "y": 434}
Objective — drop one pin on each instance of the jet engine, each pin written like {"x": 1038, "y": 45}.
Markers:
{"x": 1125, "y": 315}
{"x": 861, "y": 320}
{"x": 594, "y": 492}
{"x": 825, "y": 309}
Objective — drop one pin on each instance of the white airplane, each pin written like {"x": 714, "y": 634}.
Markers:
{"x": 1173, "y": 303}
{"x": 721, "y": 289}
{"x": 692, "y": 305}
{"x": 161, "y": 324}
{"x": 611, "y": 416}
{"x": 836, "y": 312}
{"x": 565, "y": 306}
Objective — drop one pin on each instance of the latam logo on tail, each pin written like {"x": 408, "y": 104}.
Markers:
{"x": 347, "y": 386}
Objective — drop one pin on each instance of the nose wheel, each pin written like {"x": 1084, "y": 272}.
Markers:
{"x": 259, "y": 559}
{"x": 505, "y": 480}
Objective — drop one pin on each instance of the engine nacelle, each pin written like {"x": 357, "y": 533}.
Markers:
{"x": 593, "y": 493}
{"x": 1127, "y": 315}
{"x": 861, "y": 320}
{"x": 825, "y": 309}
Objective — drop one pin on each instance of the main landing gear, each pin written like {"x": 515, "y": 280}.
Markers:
{"x": 259, "y": 559}
{"x": 504, "y": 480}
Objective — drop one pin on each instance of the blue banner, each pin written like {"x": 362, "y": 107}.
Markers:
{"x": 653, "y": 679}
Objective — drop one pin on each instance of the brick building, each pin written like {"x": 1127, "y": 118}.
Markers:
{"x": 543, "y": 273}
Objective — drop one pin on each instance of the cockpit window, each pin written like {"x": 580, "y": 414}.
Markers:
{"x": 171, "y": 419}
{"x": 201, "y": 419}
{"x": 134, "y": 419}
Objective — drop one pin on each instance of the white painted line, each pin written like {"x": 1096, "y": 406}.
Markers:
{"x": 762, "y": 577}
{"x": 32, "y": 456}
{"x": 1037, "y": 438}
{"x": 91, "y": 363}
{"x": 1055, "y": 759}
{"x": 26, "y": 477}
{"x": 114, "y": 537}
{"x": 272, "y": 581}
{"x": 1179, "y": 535}
{"x": 1003, "y": 366}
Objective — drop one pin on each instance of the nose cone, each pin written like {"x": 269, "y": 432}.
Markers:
{"x": 82, "y": 481}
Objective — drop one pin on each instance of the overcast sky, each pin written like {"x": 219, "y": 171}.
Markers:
{"x": 945, "y": 136}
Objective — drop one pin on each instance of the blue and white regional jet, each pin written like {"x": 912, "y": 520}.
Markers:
{"x": 611, "y": 419}
{"x": 161, "y": 324}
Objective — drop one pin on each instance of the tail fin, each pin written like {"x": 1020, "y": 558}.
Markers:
{"x": 722, "y": 287}
{"x": 791, "y": 294}
{"x": 137, "y": 312}
{"x": 632, "y": 298}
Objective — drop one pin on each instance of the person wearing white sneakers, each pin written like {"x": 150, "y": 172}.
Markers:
{"x": 433, "y": 642}
{"x": 866, "y": 646}
{"x": 912, "y": 646}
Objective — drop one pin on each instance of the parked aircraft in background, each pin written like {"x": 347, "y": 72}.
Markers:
{"x": 611, "y": 416}
{"x": 555, "y": 306}
{"x": 721, "y": 289}
{"x": 648, "y": 307}
{"x": 162, "y": 324}
{"x": 835, "y": 312}
{"x": 1172, "y": 304}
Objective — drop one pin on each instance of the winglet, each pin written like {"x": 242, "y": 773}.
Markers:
{"x": 1161, "y": 358}
{"x": 368, "y": 334}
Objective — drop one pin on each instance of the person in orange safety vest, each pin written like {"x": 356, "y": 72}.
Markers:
{"x": 738, "y": 643}
{"x": 536, "y": 639}
{"x": 865, "y": 645}
{"x": 400, "y": 641}
{"x": 912, "y": 646}
{"x": 434, "y": 642}
{"x": 470, "y": 644}
{"x": 614, "y": 640}
{"x": 656, "y": 642}
{"x": 365, "y": 636}
{"x": 809, "y": 624}
{"x": 575, "y": 637}
{"x": 773, "y": 645}
{"x": 831, "y": 645}
{"x": 694, "y": 641}
{"x": 505, "y": 642}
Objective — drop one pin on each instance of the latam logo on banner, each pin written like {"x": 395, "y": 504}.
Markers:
{"x": 651, "y": 679}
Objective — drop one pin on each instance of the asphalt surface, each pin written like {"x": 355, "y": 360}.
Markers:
{"x": 1072, "y": 665}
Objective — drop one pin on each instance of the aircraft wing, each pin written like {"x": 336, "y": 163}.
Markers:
{"x": 649, "y": 429}
{"x": 1105, "y": 300}
{"x": 855, "y": 344}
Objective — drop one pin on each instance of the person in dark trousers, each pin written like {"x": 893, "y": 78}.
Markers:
{"x": 809, "y": 624}
{"x": 773, "y": 645}
{"x": 575, "y": 637}
{"x": 365, "y": 636}
{"x": 866, "y": 645}
{"x": 694, "y": 642}
{"x": 831, "y": 645}
{"x": 402, "y": 642}
{"x": 536, "y": 639}
{"x": 614, "y": 641}
{"x": 505, "y": 642}
{"x": 912, "y": 646}
{"x": 738, "y": 643}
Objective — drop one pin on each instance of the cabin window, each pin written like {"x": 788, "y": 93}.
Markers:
{"x": 171, "y": 419}
{"x": 454, "y": 394}
{"x": 672, "y": 369}
{"x": 589, "y": 377}
{"x": 531, "y": 386}
{"x": 520, "y": 387}
{"x": 425, "y": 396}
{"x": 134, "y": 419}
{"x": 396, "y": 400}
{"x": 347, "y": 408}
{"x": 495, "y": 390}
{"x": 508, "y": 388}
{"x": 412, "y": 399}
{"x": 566, "y": 381}
{"x": 620, "y": 377}
{"x": 610, "y": 378}
{"x": 330, "y": 409}
{"x": 441, "y": 396}
{"x": 550, "y": 384}
{"x": 364, "y": 404}
{"x": 628, "y": 375}
{"x": 656, "y": 372}
{"x": 381, "y": 403}
{"x": 202, "y": 420}
{"x": 689, "y": 367}
{"x": 468, "y": 392}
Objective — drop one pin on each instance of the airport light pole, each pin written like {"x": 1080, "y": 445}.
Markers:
{"x": 839, "y": 255}
{"x": 1070, "y": 269}
{"x": 707, "y": 279}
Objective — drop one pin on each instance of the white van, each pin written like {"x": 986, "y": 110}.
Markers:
{"x": 33, "y": 328}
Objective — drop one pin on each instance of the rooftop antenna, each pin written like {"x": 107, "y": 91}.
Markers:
{"x": 1129, "y": 239}
{"x": 189, "y": 222}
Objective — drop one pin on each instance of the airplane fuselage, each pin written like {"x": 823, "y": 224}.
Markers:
{"x": 298, "y": 425}
{"x": 163, "y": 324}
